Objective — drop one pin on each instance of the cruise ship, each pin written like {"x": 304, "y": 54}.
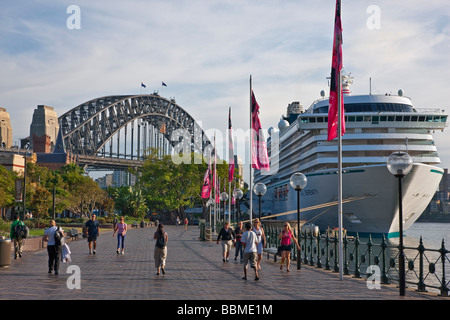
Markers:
{"x": 376, "y": 126}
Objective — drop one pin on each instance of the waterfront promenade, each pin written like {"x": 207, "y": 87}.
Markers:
{"x": 194, "y": 271}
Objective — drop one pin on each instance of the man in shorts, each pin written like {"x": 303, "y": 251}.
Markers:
{"x": 250, "y": 241}
{"x": 92, "y": 226}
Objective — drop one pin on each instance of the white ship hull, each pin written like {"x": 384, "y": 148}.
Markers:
{"x": 370, "y": 198}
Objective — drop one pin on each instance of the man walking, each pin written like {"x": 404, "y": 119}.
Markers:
{"x": 250, "y": 242}
{"x": 238, "y": 231}
{"x": 18, "y": 236}
{"x": 93, "y": 229}
{"x": 53, "y": 249}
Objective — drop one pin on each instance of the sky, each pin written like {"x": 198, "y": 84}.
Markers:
{"x": 206, "y": 50}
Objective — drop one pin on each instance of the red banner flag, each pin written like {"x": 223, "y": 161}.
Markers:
{"x": 260, "y": 157}
{"x": 230, "y": 150}
{"x": 206, "y": 189}
{"x": 336, "y": 68}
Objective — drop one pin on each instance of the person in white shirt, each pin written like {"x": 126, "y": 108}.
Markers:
{"x": 250, "y": 243}
{"x": 53, "y": 250}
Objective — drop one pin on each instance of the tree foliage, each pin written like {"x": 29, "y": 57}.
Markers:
{"x": 169, "y": 187}
{"x": 7, "y": 182}
{"x": 128, "y": 201}
{"x": 73, "y": 190}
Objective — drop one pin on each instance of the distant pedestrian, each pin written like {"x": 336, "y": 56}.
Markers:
{"x": 93, "y": 231}
{"x": 185, "y": 223}
{"x": 18, "y": 233}
{"x": 115, "y": 221}
{"x": 286, "y": 235}
{"x": 226, "y": 234}
{"x": 261, "y": 239}
{"x": 53, "y": 248}
{"x": 238, "y": 231}
{"x": 160, "y": 253}
{"x": 121, "y": 229}
{"x": 178, "y": 220}
{"x": 250, "y": 243}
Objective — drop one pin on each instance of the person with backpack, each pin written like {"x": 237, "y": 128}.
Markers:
{"x": 160, "y": 253}
{"x": 18, "y": 233}
{"x": 54, "y": 236}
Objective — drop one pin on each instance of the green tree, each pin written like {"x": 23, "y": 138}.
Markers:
{"x": 128, "y": 201}
{"x": 7, "y": 184}
{"x": 169, "y": 187}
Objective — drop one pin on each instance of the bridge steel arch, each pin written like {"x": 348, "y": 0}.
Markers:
{"x": 88, "y": 127}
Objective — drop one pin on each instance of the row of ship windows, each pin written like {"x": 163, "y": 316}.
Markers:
{"x": 371, "y": 107}
{"x": 377, "y": 119}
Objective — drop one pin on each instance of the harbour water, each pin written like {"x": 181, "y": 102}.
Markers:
{"x": 432, "y": 234}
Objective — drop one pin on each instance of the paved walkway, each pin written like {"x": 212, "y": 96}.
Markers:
{"x": 194, "y": 271}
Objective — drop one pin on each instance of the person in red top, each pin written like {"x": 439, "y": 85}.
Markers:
{"x": 286, "y": 236}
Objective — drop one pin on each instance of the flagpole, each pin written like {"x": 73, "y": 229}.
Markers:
{"x": 215, "y": 183}
{"x": 250, "y": 186}
{"x": 210, "y": 195}
{"x": 230, "y": 143}
{"x": 341, "y": 251}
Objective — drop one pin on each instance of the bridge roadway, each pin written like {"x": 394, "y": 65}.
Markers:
{"x": 107, "y": 162}
{"x": 194, "y": 271}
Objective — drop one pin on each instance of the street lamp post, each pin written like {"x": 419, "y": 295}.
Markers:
{"x": 259, "y": 189}
{"x": 298, "y": 181}
{"x": 224, "y": 198}
{"x": 237, "y": 195}
{"x": 209, "y": 203}
{"x": 24, "y": 185}
{"x": 400, "y": 164}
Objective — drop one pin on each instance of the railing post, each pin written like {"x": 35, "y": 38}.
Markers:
{"x": 421, "y": 284}
{"x": 295, "y": 249}
{"x": 305, "y": 259}
{"x": 327, "y": 252}
{"x": 357, "y": 273}
{"x": 443, "y": 288}
{"x": 319, "y": 263}
{"x": 336, "y": 266}
{"x": 311, "y": 260}
{"x": 345, "y": 255}
{"x": 384, "y": 277}
{"x": 369, "y": 247}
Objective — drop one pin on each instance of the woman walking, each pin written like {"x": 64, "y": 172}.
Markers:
{"x": 121, "y": 229}
{"x": 286, "y": 245}
{"x": 160, "y": 249}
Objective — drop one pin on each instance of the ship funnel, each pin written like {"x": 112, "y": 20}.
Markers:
{"x": 347, "y": 81}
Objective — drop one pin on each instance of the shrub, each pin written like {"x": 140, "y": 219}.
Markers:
{"x": 101, "y": 220}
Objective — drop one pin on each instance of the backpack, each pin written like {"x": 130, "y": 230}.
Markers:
{"x": 59, "y": 237}
{"x": 161, "y": 241}
{"x": 21, "y": 230}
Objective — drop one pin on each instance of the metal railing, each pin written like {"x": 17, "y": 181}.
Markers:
{"x": 425, "y": 268}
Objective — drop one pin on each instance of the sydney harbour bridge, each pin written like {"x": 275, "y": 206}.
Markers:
{"x": 115, "y": 132}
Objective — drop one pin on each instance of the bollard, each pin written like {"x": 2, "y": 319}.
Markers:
{"x": 5, "y": 252}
